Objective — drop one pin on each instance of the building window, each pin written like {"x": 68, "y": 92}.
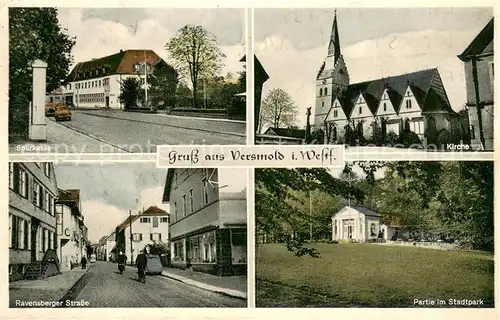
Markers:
{"x": 385, "y": 106}
{"x": 51, "y": 204}
{"x": 191, "y": 201}
{"x": 178, "y": 250}
{"x": 145, "y": 220}
{"x": 22, "y": 232}
{"x": 11, "y": 175}
{"x": 36, "y": 194}
{"x": 164, "y": 220}
{"x": 360, "y": 110}
{"x": 46, "y": 169}
{"x": 408, "y": 104}
{"x": 321, "y": 91}
{"x": 238, "y": 246}
{"x": 155, "y": 222}
{"x": 23, "y": 183}
{"x": 205, "y": 192}
{"x": 326, "y": 91}
{"x": 47, "y": 201}
{"x": 322, "y": 103}
{"x": 472, "y": 132}
{"x": 335, "y": 113}
{"x": 10, "y": 230}
{"x": 175, "y": 212}
{"x": 184, "y": 206}
{"x": 155, "y": 237}
{"x": 137, "y": 237}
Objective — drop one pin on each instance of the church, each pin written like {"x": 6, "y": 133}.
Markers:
{"x": 414, "y": 102}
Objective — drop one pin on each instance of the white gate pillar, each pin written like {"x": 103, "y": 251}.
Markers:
{"x": 37, "y": 126}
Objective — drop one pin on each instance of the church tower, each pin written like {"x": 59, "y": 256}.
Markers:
{"x": 332, "y": 79}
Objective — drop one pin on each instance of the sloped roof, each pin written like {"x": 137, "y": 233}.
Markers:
{"x": 480, "y": 42}
{"x": 119, "y": 63}
{"x": 420, "y": 82}
{"x": 360, "y": 209}
{"x": 154, "y": 211}
{"x": 103, "y": 239}
{"x": 127, "y": 222}
{"x": 287, "y": 132}
{"x": 260, "y": 74}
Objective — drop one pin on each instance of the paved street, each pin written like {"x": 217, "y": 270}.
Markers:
{"x": 102, "y": 286}
{"x": 96, "y": 131}
{"x": 136, "y": 131}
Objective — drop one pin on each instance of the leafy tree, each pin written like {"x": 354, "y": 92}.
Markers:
{"x": 196, "y": 55}
{"x": 274, "y": 191}
{"x": 130, "y": 92}
{"x": 34, "y": 33}
{"x": 157, "y": 248}
{"x": 278, "y": 109}
{"x": 163, "y": 84}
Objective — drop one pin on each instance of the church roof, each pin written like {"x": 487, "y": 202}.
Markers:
{"x": 480, "y": 42}
{"x": 423, "y": 84}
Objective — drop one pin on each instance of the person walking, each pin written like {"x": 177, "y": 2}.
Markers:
{"x": 84, "y": 262}
{"x": 141, "y": 263}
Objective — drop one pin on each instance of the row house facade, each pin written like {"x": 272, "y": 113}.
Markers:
{"x": 71, "y": 229}
{"x": 137, "y": 231}
{"x": 32, "y": 223}
{"x": 208, "y": 219}
{"x": 415, "y": 102}
{"x": 105, "y": 247}
{"x": 478, "y": 59}
{"x": 97, "y": 83}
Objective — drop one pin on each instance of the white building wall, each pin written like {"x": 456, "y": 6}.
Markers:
{"x": 146, "y": 229}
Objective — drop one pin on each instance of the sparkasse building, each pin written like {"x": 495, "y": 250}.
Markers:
{"x": 97, "y": 83}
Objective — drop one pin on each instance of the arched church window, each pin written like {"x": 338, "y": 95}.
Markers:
{"x": 326, "y": 91}
{"x": 321, "y": 91}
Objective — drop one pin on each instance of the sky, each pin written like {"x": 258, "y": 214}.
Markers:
{"x": 109, "y": 191}
{"x": 375, "y": 42}
{"x": 101, "y": 32}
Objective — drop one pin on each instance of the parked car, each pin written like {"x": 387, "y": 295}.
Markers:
{"x": 154, "y": 264}
{"x": 50, "y": 109}
{"x": 62, "y": 113}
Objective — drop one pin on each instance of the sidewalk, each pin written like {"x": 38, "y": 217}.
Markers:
{"x": 234, "y": 286}
{"x": 61, "y": 139}
{"x": 49, "y": 289}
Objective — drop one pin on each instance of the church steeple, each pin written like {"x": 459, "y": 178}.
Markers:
{"x": 334, "y": 46}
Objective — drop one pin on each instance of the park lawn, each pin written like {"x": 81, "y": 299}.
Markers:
{"x": 370, "y": 275}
